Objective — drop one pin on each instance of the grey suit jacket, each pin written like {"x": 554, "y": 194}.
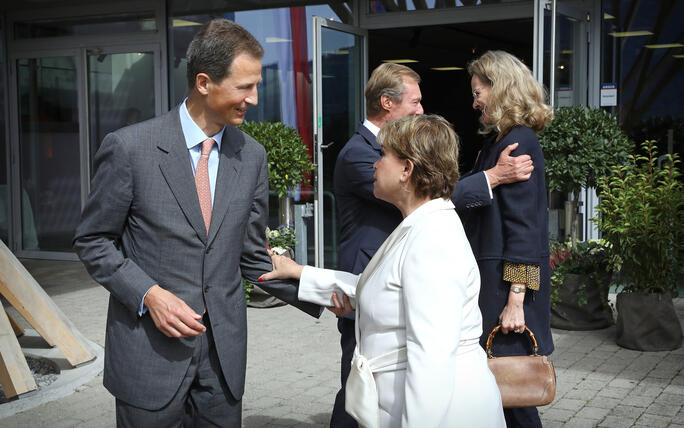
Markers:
{"x": 142, "y": 225}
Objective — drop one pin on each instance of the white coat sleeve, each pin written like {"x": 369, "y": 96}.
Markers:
{"x": 317, "y": 285}
{"x": 434, "y": 286}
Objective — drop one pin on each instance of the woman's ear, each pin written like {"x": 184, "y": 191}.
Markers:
{"x": 408, "y": 170}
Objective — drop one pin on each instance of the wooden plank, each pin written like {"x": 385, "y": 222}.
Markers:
{"x": 15, "y": 375}
{"x": 18, "y": 329}
{"x": 32, "y": 302}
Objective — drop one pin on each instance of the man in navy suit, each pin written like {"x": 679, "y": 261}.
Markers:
{"x": 392, "y": 92}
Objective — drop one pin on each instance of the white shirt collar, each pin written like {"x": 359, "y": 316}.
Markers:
{"x": 192, "y": 132}
{"x": 371, "y": 127}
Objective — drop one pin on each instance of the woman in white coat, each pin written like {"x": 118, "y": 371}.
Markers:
{"x": 416, "y": 303}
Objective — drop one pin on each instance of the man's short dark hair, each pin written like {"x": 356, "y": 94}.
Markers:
{"x": 214, "y": 48}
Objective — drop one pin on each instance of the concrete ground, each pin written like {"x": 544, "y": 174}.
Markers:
{"x": 293, "y": 370}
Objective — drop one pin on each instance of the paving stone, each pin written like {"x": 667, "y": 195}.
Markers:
{"x": 662, "y": 409}
{"x": 622, "y": 383}
{"x": 652, "y": 421}
{"x": 570, "y": 404}
{"x": 557, "y": 415}
{"x": 582, "y": 394}
{"x": 613, "y": 392}
{"x": 617, "y": 422}
{"x": 604, "y": 402}
{"x": 627, "y": 411}
{"x": 578, "y": 422}
{"x": 592, "y": 413}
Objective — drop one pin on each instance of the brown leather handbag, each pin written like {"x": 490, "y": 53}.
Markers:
{"x": 524, "y": 381}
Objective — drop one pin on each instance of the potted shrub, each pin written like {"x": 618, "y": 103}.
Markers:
{"x": 288, "y": 161}
{"x": 641, "y": 214}
{"x": 580, "y": 280}
{"x": 580, "y": 145}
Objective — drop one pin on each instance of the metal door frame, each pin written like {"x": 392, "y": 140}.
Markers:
{"x": 317, "y": 25}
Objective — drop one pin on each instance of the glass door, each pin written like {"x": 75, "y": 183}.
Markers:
{"x": 64, "y": 103}
{"x": 122, "y": 90}
{"x": 566, "y": 52}
{"x": 339, "y": 77}
{"x": 47, "y": 130}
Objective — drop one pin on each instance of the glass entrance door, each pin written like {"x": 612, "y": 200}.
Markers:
{"x": 339, "y": 76}
{"x": 566, "y": 52}
{"x": 49, "y": 130}
{"x": 65, "y": 103}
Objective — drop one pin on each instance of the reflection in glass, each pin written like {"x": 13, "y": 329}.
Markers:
{"x": 342, "y": 91}
{"x": 648, "y": 69}
{"x": 286, "y": 35}
{"x": 120, "y": 93}
{"x": 385, "y": 6}
{"x": 567, "y": 51}
{"x": 4, "y": 165}
{"x": 49, "y": 141}
{"x": 101, "y": 24}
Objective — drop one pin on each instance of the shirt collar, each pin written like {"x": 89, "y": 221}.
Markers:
{"x": 371, "y": 127}
{"x": 192, "y": 132}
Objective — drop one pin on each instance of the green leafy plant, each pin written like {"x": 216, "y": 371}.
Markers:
{"x": 580, "y": 146}
{"x": 288, "y": 159}
{"x": 642, "y": 217}
{"x": 591, "y": 259}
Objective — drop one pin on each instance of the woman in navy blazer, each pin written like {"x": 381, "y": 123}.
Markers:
{"x": 510, "y": 237}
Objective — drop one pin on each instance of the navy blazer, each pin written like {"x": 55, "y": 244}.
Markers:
{"x": 513, "y": 228}
{"x": 365, "y": 221}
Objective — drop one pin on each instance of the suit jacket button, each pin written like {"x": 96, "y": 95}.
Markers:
{"x": 207, "y": 250}
{"x": 206, "y": 288}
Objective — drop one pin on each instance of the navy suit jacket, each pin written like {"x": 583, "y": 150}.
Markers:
{"x": 365, "y": 221}
{"x": 513, "y": 228}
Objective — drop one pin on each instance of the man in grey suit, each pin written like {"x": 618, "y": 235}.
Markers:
{"x": 175, "y": 218}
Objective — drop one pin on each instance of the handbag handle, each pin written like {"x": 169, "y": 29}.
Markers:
{"x": 496, "y": 329}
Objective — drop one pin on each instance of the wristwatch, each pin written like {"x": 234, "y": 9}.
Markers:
{"x": 518, "y": 289}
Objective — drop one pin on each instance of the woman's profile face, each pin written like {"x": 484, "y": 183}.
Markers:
{"x": 388, "y": 171}
{"x": 480, "y": 97}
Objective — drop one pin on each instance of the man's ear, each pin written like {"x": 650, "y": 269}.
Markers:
{"x": 386, "y": 102}
{"x": 202, "y": 82}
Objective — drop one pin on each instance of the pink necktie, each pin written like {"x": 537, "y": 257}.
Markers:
{"x": 202, "y": 181}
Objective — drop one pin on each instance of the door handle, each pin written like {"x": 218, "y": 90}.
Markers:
{"x": 325, "y": 146}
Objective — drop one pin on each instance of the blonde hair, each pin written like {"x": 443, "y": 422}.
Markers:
{"x": 515, "y": 97}
{"x": 387, "y": 79}
{"x": 429, "y": 141}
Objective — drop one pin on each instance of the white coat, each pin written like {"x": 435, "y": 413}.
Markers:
{"x": 422, "y": 293}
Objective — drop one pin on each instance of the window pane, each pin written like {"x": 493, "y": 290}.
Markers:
{"x": 119, "y": 23}
{"x": 120, "y": 92}
{"x": 643, "y": 54}
{"x": 49, "y": 141}
{"x": 385, "y": 6}
{"x": 4, "y": 164}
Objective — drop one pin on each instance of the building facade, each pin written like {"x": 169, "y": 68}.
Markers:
{"x": 72, "y": 71}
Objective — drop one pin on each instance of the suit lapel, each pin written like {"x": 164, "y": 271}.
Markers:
{"x": 176, "y": 168}
{"x": 227, "y": 177}
{"x": 395, "y": 238}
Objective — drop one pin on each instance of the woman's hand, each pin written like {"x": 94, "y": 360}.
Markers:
{"x": 512, "y": 317}
{"x": 283, "y": 268}
{"x": 343, "y": 308}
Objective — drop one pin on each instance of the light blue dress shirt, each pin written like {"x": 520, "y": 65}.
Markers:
{"x": 193, "y": 140}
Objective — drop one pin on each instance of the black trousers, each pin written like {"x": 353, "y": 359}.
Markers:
{"x": 523, "y": 417}
{"x": 340, "y": 418}
{"x": 202, "y": 400}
